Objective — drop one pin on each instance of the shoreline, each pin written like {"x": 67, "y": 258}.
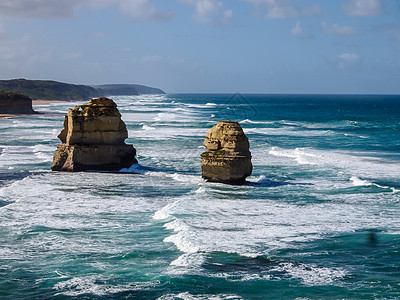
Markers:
{"x": 43, "y": 102}
{"x": 5, "y": 116}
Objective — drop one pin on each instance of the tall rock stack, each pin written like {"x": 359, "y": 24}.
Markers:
{"x": 228, "y": 159}
{"x": 93, "y": 138}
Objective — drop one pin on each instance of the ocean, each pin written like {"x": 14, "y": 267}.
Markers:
{"x": 318, "y": 219}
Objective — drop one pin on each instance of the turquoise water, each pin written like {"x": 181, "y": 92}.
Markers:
{"x": 318, "y": 219}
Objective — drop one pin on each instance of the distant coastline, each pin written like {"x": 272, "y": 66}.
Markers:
{"x": 59, "y": 91}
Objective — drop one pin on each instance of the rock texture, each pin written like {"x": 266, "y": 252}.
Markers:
{"x": 93, "y": 138}
{"x": 15, "y": 103}
{"x": 228, "y": 159}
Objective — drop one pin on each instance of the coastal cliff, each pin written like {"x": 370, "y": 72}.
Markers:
{"x": 15, "y": 103}
{"x": 93, "y": 139}
{"x": 228, "y": 159}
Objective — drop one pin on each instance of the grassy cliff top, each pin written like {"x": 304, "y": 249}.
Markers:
{"x": 6, "y": 94}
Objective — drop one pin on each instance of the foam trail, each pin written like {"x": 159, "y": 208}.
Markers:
{"x": 359, "y": 182}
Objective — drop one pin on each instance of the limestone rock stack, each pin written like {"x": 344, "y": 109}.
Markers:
{"x": 228, "y": 159}
{"x": 15, "y": 103}
{"x": 93, "y": 138}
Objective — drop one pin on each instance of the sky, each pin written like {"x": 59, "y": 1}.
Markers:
{"x": 206, "y": 46}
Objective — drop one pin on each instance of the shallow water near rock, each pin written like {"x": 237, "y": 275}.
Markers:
{"x": 319, "y": 217}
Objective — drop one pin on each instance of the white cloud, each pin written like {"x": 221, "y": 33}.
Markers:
{"x": 284, "y": 9}
{"x": 210, "y": 12}
{"x": 144, "y": 10}
{"x": 363, "y": 7}
{"x": 227, "y": 18}
{"x": 346, "y": 60}
{"x": 137, "y": 9}
{"x": 206, "y": 7}
{"x": 340, "y": 30}
{"x": 298, "y": 31}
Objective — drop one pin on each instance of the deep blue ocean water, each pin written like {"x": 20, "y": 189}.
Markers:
{"x": 318, "y": 219}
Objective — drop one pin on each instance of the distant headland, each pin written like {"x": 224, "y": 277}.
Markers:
{"x": 54, "y": 90}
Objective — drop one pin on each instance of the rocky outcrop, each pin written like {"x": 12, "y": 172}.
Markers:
{"x": 228, "y": 159}
{"x": 15, "y": 103}
{"x": 93, "y": 138}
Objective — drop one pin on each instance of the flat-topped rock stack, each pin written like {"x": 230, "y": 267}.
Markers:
{"x": 228, "y": 159}
{"x": 93, "y": 138}
{"x": 15, "y": 103}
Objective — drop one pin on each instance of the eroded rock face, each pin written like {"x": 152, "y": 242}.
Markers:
{"x": 15, "y": 103}
{"x": 93, "y": 138}
{"x": 228, "y": 159}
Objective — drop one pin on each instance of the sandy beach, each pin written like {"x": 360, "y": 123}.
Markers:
{"x": 42, "y": 102}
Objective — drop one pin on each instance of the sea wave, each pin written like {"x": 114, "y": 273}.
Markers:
{"x": 96, "y": 285}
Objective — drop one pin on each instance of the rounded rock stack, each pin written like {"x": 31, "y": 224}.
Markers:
{"x": 228, "y": 159}
{"x": 93, "y": 138}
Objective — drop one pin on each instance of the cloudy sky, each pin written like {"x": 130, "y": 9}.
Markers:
{"x": 249, "y": 46}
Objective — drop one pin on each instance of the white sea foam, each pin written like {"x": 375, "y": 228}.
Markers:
{"x": 44, "y": 152}
{"x": 200, "y": 106}
{"x": 188, "y": 296}
{"x": 194, "y": 179}
{"x": 256, "y": 228}
{"x": 20, "y": 155}
{"x": 248, "y": 121}
{"x": 309, "y": 274}
{"x": 312, "y": 275}
{"x": 165, "y": 212}
{"x": 187, "y": 263}
{"x": 147, "y": 127}
{"x": 92, "y": 285}
{"x": 289, "y": 131}
{"x": 365, "y": 164}
{"x": 168, "y": 117}
{"x": 359, "y": 182}
{"x": 166, "y": 133}
{"x": 300, "y": 155}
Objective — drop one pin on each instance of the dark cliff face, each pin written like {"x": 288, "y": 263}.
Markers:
{"x": 15, "y": 103}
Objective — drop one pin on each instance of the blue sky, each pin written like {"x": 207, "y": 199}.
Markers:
{"x": 249, "y": 46}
